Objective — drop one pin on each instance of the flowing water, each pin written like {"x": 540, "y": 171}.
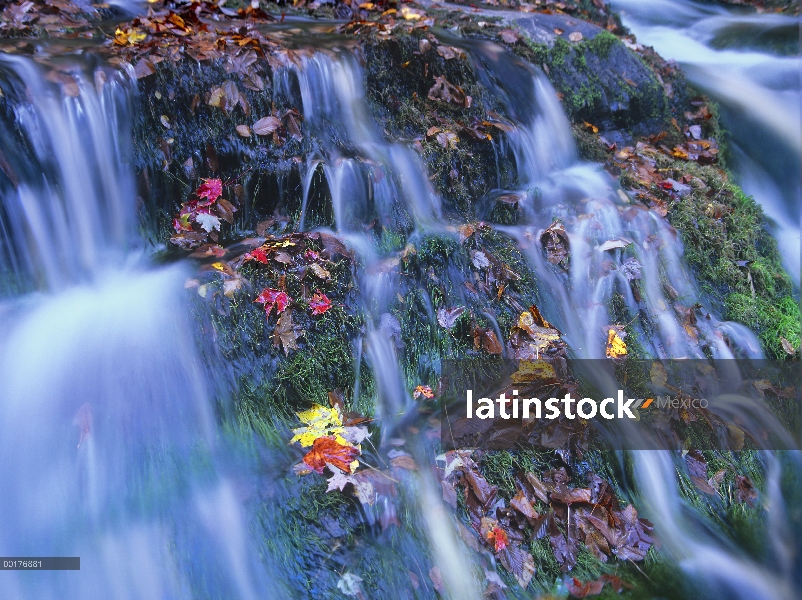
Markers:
{"x": 110, "y": 444}
{"x": 750, "y": 64}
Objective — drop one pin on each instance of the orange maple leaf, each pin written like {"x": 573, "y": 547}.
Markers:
{"x": 327, "y": 450}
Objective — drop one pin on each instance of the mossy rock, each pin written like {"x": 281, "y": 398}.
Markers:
{"x": 599, "y": 79}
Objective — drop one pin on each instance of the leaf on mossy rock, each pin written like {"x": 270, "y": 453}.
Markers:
{"x": 266, "y": 126}
{"x": 518, "y": 562}
{"x": 486, "y": 339}
{"x": 320, "y": 303}
{"x": 327, "y": 450}
{"x": 444, "y": 91}
{"x": 447, "y": 317}
{"x": 286, "y": 333}
{"x": 555, "y": 244}
{"x": 270, "y": 298}
{"x": 616, "y": 348}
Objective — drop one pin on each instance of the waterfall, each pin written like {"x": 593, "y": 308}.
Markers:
{"x": 109, "y": 440}
{"x": 103, "y": 403}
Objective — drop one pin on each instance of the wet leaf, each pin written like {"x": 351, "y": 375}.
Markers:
{"x": 350, "y": 584}
{"x": 508, "y": 36}
{"x": 518, "y": 562}
{"x": 579, "y": 589}
{"x": 319, "y": 271}
{"x": 320, "y": 303}
{"x": 555, "y": 244}
{"x": 226, "y": 210}
{"x": 266, "y": 126}
{"x": 444, "y": 91}
{"x": 616, "y": 348}
{"x": 270, "y": 298}
{"x": 424, "y": 391}
{"x": 745, "y": 492}
{"x": 207, "y": 221}
{"x": 487, "y": 340}
{"x": 244, "y": 131}
{"x": 327, "y": 450}
{"x": 575, "y": 36}
{"x": 447, "y": 317}
{"x": 787, "y": 346}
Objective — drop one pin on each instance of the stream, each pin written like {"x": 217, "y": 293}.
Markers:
{"x": 111, "y": 445}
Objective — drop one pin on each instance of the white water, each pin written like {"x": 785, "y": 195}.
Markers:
{"x": 104, "y": 405}
{"x": 759, "y": 92}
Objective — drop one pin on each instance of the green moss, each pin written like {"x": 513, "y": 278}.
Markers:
{"x": 734, "y": 257}
{"x": 602, "y": 43}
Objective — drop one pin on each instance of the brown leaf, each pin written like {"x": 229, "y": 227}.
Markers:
{"x": 485, "y": 492}
{"x": 266, "y": 126}
{"x": 570, "y": 495}
{"x": 541, "y": 491}
{"x": 746, "y": 492}
{"x": 437, "y": 580}
{"x": 211, "y": 158}
{"x": 508, "y": 36}
{"x": 286, "y": 332}
{"x": 487, "y": 339}
{"x": 404, "y": 461}
{"x": 555, "y": 244}
{"x": 787, "y": 346}
{"x": 447, "y": 317}
{"x": 244, "y": 131}
{"x": 522, "y": 504}
{"x": 446, "y": 92}
{"x": 144, "y": 68}
{"x": 518, "y": 562}
{"x": 226, "y": 210}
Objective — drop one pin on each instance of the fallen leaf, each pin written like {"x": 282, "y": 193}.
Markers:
{"x": 266, "y": 126}
{"x": 423, "y": 390}
{"x": 447, "y": 317}
{"x": 211, "y": 189}
{"x": 349, "y": 584}
{"x": 244, "y": 131}
{"x": 327, "y": 450}
{"x": 616, "y": 348}
{"x": 320, "y": 303}
{"x": 270, "y": 298}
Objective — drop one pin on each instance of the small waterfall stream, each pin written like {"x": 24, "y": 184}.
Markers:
{"x": 109, "y": 442}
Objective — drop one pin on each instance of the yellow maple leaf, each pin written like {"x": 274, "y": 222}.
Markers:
{"x": 616, "y": 348}
{"x": 135, "y": 36}
{"x": 320, "y": 421}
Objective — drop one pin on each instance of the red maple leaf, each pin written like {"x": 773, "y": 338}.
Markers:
{"x": 327, "y": 450}
{"x": 271, "y": 298}
{"x": 211, "y": 189}
{"x": 320, "y": 303}
{"x": 499, "y": 538}
{"x": 257, "y": 254}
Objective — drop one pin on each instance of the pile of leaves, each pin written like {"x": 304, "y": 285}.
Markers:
{"x": 199, "y": 29}
{"x": 334, "y": 440}
{"x": 545, "y": 505}
{"x": 61, "y": 18}
{"x": 199, "y": 219}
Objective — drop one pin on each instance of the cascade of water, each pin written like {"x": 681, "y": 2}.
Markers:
{"x": 611, "y": 241}
{"x": 749, "y": 64}
{"x": 105, "y": 415}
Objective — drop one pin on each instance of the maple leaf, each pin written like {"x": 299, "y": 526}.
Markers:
{"x": 616, "y": 348}
{"x": 498, "y": 537}
{"x": 182, "y": 223}
{"x": 257, "y": 254}
{"x": 320, "y": 303}
{"x": 211, "y": 189}
{"x": 423, "y": 390}
{"x": 320, "y": 422}
{"x": 327, "y": 450}
{"x": 286, "y": 333}
{"x": 270, "y": 298}
{"x": 207, "y": 221}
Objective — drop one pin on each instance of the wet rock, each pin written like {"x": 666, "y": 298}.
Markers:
{"x": 599, "y": 79}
